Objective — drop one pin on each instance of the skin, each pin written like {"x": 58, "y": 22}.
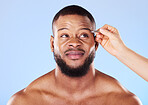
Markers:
{"x": 95, "y": 88}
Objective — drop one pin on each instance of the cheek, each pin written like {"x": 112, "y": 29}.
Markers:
{"x": 92, "y": 49}
{"x": 92, "y": 45}
{"x": 58, "y": 47}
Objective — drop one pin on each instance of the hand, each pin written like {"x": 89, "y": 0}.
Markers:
{"x": 109, "y": 39}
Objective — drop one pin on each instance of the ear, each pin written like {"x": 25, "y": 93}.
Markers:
{"x": 96, "y": 45}
{"x": 52, "y": 43}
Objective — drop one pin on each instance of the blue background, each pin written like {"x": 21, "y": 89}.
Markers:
{"x": 25, "y": 29}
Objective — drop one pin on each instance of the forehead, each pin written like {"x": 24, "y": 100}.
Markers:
{"x": 73, "y": 21}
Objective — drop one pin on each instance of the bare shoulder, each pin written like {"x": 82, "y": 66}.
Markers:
{"x": 33, "y": 93}
{"x": 26, "y": 97}
{"x": 19, "y": 98}
{"x": 122, "y": 99}
{"x": 114, "y": 92}
{"x": 110, "y": 84}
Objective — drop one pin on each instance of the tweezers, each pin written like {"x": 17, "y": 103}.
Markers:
{"x": 94, "y": 31}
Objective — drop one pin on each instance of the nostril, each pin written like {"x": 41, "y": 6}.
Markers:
{"x": 74, "y": 42}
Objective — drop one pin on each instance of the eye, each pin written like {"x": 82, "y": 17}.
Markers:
{"x": 84, "y": 36}
{"x": 64, "y": 36}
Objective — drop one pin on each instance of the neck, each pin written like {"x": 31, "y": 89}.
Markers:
{"x": 75, "y": 84}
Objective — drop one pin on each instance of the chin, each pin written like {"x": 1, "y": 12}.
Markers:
{"x": 75, "y": 63}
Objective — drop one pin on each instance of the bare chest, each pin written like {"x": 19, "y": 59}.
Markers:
{"x": 88, "y": 101}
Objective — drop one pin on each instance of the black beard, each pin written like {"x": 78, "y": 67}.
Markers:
{"x": 71, "y": 71}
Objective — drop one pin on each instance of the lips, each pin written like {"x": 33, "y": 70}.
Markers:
{"x": 74, "y": 54}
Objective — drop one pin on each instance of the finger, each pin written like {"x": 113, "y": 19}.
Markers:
{"x": 106, "y": 33}
{"x": 99, "y": 35}
{"x": 110, "y": 28}
{"x": 99, "y": 40}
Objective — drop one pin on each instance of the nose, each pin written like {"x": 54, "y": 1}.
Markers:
{"x": 74, "y": 42}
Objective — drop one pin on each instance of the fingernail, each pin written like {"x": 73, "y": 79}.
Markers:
{"x": 98, "y": 36}
{"x": 101, "y": 30}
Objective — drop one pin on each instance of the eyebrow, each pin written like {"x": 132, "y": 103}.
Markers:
{"x": 62, "y": 29}
{"x": 79, "y": 29}
{"x": 85, "y": 29}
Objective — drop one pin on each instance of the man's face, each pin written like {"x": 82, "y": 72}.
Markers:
{"x": 73, "y": 40}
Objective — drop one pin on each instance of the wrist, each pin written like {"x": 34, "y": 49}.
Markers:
{"x": 122, "y": 52}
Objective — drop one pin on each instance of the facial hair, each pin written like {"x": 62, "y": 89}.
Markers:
{"x": 74, "y": 71}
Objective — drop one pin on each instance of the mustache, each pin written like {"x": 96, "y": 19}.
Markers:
{"x": 75, "y": 49}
